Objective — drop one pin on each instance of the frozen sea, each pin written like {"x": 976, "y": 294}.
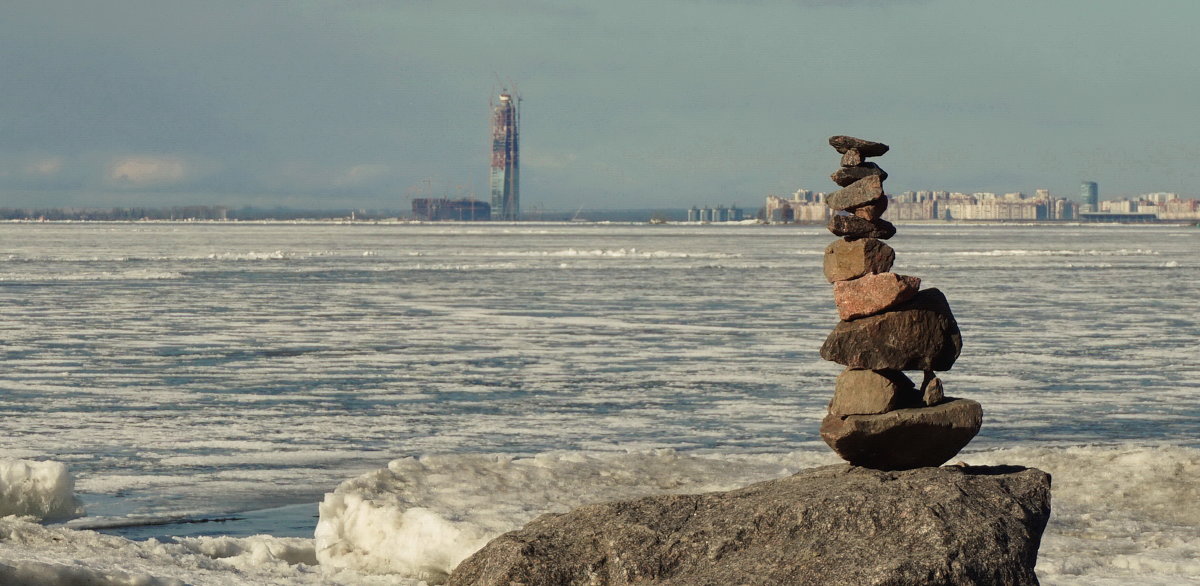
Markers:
{"x": 214, "y": 371}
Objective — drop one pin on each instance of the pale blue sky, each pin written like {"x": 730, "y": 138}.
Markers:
{"x": 627, "y": 103}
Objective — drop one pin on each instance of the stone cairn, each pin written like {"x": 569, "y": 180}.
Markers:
{"x": 878, "y": 417}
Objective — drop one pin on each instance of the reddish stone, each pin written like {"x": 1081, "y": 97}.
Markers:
{"x": 851, "y": 260}
{"x": 871, "y": 294}
{"x": 851, "y": 158}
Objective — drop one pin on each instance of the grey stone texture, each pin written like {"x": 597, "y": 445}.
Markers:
{"x": 868, "y": 392}
{"x": 847, "y": 175}
{"x": 850, "y": 260}
{"x": 836, "y": 525}
{"x": 855, "y": 228}
{"x": 919, "y": 334}
{"x": 863, "y": 191}
{"x": 904, "y": 438}
{"x": 842, "y": 143}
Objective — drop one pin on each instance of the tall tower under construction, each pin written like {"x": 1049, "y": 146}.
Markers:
{"x": 506, "y": 174}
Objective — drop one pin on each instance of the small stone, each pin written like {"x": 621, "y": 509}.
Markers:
{"x": 867, "y": 148}
{"x": 919, "y": 334}
{"x": 847, "y": 175}
{"x": 933, "y": 392}
{"x": 871, "y": 294}
{"x": 854, "y": 228}
{"x": 852, "y": 157}
{"x": 866, "y": 392}
{"x": 905, "y": 438}
{"x": 864, "y": 191}
{"x": 851, "y": 260}
{"x": 872, "y": 211}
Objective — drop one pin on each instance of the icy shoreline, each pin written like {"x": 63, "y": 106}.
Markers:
{"x": 1121, "y": 514}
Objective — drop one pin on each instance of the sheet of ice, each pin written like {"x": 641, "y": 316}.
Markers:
{"x": 421, "y": 517}
{"x": 1121, "y": 514}
{"x": 32, "y": 554}
{"x": 44, "y": 491}
{"x": 276, "y": 361}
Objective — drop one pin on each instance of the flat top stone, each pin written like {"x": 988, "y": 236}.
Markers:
{"x": 831, "y": 526}
{"x": 866, "y": 148}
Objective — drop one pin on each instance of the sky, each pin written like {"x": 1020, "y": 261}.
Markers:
{"x": 626, "y": 103}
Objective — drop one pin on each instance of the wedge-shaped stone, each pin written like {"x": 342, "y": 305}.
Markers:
{"x": 847, "y": 175}
{"x": 851, "y": 158}
{"x": 873, "y": 210}
{"x": 861, "y": 192}
{"x": 920, "y": 334}
{"x": 904, "y": 438}
{"x": 854, "y": 227}
{"x": 871, "y": 294}
{"x": 866, "y": 392}
{"x": 850, "y": 260}
{"x": 867, "y": 148}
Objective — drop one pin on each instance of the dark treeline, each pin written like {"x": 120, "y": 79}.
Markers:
{"x": 186, "y": 213}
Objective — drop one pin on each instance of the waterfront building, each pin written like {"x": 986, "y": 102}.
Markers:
{"x": 505, "y": 173}
{"x": 1089, "y": 194}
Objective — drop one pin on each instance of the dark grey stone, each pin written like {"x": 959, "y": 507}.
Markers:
{"x": 855, "y": 227}
{"x": 846, "y": 175}
{"x": 866, "y": 148}
{"x": 904, "y": 438}
{"x": 919, "y": 334}
{"x": 836, "y": 525}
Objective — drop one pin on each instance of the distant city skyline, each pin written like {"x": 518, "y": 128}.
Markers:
{"x": 322, "y": 104}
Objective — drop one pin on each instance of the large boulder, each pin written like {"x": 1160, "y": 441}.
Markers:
{"x": 845, "y": 260}
{"x": 836, "y": 525}
{"x": 919, "y": 334}
{"x": 904, "y": 438}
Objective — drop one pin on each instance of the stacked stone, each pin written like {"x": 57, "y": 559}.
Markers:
{"x": 878, "y": 417}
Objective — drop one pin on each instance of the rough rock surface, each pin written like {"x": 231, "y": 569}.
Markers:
{"x": 854, "y": 228}
{"x": 871, "y": 294}
{"x": 904, "y": 438}
{"x": 851, "y": 158}
{"x": 920, "y": 334}
{"x": 872, "y": 210}
{"x": 847, "y": 175}
{"x": 933, "y": 393}
{"x": 835, "y": 525}
{"x": 850, "y": 260}
{"x": 842, "y": 143}
{"x": 861, "y": 192}
{"x": 867, "y": 392}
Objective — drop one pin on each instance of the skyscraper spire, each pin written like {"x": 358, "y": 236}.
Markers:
{"x": 505, "y": 174}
